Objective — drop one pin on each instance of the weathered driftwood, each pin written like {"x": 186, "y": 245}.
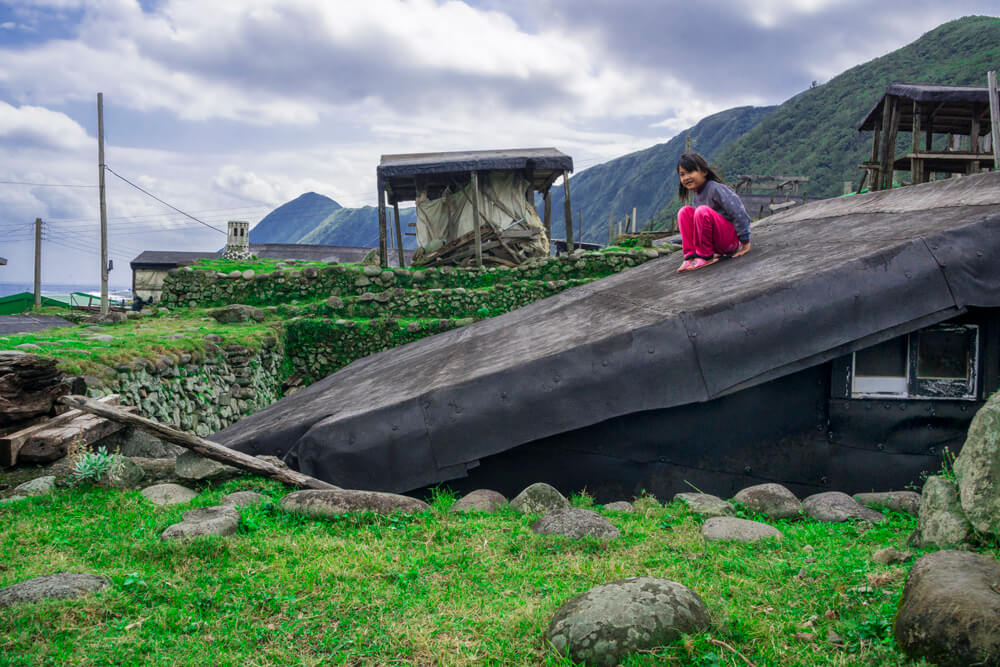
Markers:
{"x": 200, "y": 446}
{"x": 49, "y": 440}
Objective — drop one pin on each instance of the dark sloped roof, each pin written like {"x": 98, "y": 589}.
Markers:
{"x": 543, "y": 165}
{"x": 823, "y": 279}
{"x": 168, "y": 259}
{"x": 953, "y": 114}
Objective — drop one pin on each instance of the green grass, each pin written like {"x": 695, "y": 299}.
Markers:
{"x": 78, "y": 354}
{"x": 258, "y": 265}
{"x": 431, "y": 588}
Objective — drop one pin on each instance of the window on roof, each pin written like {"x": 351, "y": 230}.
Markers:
{"x": 936, "y": 362}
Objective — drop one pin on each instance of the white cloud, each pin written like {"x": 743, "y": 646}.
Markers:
{"x": 31, "y": 126}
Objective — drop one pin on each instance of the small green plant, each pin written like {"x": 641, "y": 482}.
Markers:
{"x": 91, "y": 467}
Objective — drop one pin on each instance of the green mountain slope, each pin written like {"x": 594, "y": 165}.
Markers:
{"x": 290, "y": 221}
{"x": 358, "y": 227}
{"x": 645, "y": 179}
{"x": 815, "y": 133}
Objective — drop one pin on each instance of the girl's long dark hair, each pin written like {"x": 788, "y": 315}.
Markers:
{"x": 693, "y": 162}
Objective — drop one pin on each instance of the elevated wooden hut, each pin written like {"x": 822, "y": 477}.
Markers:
{"x": 950, "y": 128}
{"x": 427, "y": 177}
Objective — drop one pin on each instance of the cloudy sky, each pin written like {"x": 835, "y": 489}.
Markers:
{"x": 227, "y": 109}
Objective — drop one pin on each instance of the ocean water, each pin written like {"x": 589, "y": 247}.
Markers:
{"x": 57, "y": 288}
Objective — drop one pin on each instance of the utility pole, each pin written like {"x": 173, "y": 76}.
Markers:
{"x": 38, "y": 262}
{"x": 104, "y": 209}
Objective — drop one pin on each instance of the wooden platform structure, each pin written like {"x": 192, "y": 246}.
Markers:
{"x": 51, "y": 438}
{"x": 950, "y": 128}
{"x": 402, "y": 177}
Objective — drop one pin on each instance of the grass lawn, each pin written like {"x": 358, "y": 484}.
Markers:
{"x": 430, "y": 588}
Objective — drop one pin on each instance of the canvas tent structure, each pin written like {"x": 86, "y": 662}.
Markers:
{"x": 456, "y": 190}
{"x": 727, "y": 377}
{"x": 961, "y": 113}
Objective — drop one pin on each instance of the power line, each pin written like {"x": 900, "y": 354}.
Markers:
{"x": 157, "y": 215}
{"x": 47, "y": 185}
{"x": 161, "y": 201}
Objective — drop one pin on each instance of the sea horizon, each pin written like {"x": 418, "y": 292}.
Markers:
{"x": 6, "y": 289}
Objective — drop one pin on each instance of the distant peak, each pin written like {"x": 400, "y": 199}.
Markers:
{"x": 315, "y": 198}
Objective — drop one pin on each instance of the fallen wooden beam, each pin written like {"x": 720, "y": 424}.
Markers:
{"x": 11, "y": 444}
{"x": 53, "y": 442}
{"x": 200, "y": 446}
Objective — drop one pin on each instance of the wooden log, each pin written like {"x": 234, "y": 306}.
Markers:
{"x": 383, "y": 253}
{"x": 890, "y": 147}
{"x": 548, "y": 214}
{"x": 475, "y": 219}
{"x": 568, "y": 213}
{"x": 200, "y": 446}
{"x": 916, "y": 164}
{"x": 52, "y": 443}
{"x": 399, "y": 234}
{"x": 883, "y": 165}
{"x": 991, "y": 84}
{"x": 11, "y": 444}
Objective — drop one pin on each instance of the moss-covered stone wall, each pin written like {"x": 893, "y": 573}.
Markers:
{"x": 192, "y": 288}
{"x": 202, "y": 393}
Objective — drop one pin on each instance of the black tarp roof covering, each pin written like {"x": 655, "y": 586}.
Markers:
{"x": 822, "y": 280}
{"x": 951, "y": 99}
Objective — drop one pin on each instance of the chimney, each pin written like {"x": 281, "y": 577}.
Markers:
{"x": 238, "y": 243}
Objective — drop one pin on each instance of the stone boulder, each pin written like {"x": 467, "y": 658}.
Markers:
{"x": 605, "y": 624}
{"x": 728, "y": 528}
{"x": 222, "y": 520}
{"x": 329, "y": 504}
{"x": 480, "y": 500}
{"x": 897, "y": 501}
{"x": 977, "y": 469}
{"x": 539, "y": 498}
{"x": 834, "y": 506}
{"x": 891, "y": 556}
{"x": 575, "y": 523}
{"x": 772, "y": 500}
{"x": 168, "y": 494}
{"x": 238, "y": 313}
{"x": 59, "y": 586}
{"x": 950, "y": 610}
{"x": 36, "y": 487}
{"x": 125, "y": 474}
{"x": 941, "y": 522}
{"x": 620, "y": 506}
{"x": 193, "y": 468}
{"x": 705, "y": 504}
{"x": 244, "y": 499}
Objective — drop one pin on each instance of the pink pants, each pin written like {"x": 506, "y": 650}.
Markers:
{"x": 705, "y": 233}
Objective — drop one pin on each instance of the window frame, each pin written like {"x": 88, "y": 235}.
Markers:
{"x": 913, "y": 387}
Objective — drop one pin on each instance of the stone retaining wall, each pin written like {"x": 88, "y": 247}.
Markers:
{"x": 192, "y": 288}
{"x": 202, "y": 394}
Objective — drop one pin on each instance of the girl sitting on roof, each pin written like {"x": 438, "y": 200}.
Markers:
{"x": 716, "y": 224}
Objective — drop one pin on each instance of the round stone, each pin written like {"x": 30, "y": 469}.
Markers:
{"x": 539, "y": 498}
{"x": 723, "y": 528}
{"x": 59, "y": 586}
{"x": 610, "y": 621}
{"x": 168, "y": 494}
{"x": 480, "y": 500}
{"x": 773, "y": 500}
{"x": 575, "y": 523}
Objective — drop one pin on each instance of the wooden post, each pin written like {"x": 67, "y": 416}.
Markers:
{"x": 916, "y": 164}
{"x": 611, "y": 228}
{"x": 478, "y": 235}
{"x": 579, "y": 226}
{"x": 548, "y": 212}
{"x": 568, "y": 213}
{"x": 991, "y": 84}
{"x": 383, "y": 253}
{"x": 104, "y": 208}
{"x": 890, "y": 146}
{"x": 848, "y": 187}
{"x": 200, "y": 446}
{"x": 635, "y": 221}
{"x": 38, "y": 262}
{"x": 399, "y": 233}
